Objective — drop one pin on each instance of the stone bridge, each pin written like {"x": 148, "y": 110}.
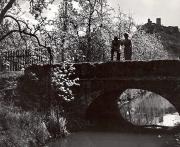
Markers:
{"x": 102, "y": 83}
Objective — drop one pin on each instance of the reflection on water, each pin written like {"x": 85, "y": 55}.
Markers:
{"x": 107, "y": 139}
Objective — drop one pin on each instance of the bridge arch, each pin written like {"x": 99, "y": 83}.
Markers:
{"x": 104, "y": 107}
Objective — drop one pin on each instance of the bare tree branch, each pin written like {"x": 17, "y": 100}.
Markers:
{"x": 19, "y": 26}
{"x": 31, "y": 35}
{"x": 25, "y": 33}
{"x": 26, "y": 25}
{"x": 21, "y": 31}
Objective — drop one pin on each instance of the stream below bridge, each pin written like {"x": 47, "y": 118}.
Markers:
{"x": 103, "y": 137}
{"x": 114, "y": 139}
{"x": 108, "y": 138}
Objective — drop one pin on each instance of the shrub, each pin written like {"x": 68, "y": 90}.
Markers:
{"x": 21, "y": 128}
{"x": 26, "y": 129}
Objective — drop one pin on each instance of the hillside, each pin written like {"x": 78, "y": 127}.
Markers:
{"x": 169, "y": 35}
{"x": 171, "y": 43}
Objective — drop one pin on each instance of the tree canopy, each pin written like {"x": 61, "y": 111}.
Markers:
{"x": 82, "y": 30}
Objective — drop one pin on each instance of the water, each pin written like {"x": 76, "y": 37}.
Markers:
{"x": 170, "y": 120}
{"x": 113, "y": 139}
{"x": 120, "y": 139}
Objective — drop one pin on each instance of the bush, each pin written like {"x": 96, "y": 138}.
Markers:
{"x": 148, "y": 47}
{"x": 39, "y": 119}
{"x": 26, "y": 129}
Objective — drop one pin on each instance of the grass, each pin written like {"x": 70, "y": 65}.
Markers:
{"x": 20, "y": 128}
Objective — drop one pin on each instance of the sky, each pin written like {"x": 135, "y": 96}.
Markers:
{"x": 141, "y": 10}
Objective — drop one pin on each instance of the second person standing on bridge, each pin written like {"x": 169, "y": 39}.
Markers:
{"x": 115, "y": 47}
{"x": 127, "y": 47}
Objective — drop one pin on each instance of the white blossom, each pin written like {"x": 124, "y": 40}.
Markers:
{"x": 62, "y": 82}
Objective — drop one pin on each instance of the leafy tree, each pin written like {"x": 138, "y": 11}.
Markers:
{"x": 148, "y": 47}
{"x": 123, "y": 23}
{"x": 94, "y": 18}
{"x": 66, "y": 33}
{"x": 145, "y": 46}
{"x": 18, "y": 33}
{"x": 71, "y": 36}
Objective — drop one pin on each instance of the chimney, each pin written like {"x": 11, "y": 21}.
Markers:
{"x": 149, "y": 21}
{"x": 158, "y": 21}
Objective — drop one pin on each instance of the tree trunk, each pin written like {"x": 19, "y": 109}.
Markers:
{"x": 88, "y": 54}
{"x": 6, "y": 8}
{"x": 65, "y": 29}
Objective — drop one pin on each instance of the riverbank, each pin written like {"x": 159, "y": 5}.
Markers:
{"x": 25, "y": 127}
{"x": 28, "y": 128}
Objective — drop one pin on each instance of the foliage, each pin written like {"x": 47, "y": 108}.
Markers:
{"x": 26, "y": 128}
{"x": 8, "y": 84}
{"x": 21, "y": 128}
{"x": 63, "y": 82}
{"x": 18, "y": 33}
{"x": 145, "y": 46}
{"x": 148, "y": 47}
{"x": 123, "y": 23}
{"x": 56, "y": 125}
{"x": 142, "y": 107}
{"x": 78, "y": 33}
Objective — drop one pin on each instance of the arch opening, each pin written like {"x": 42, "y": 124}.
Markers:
{"x": 104, "y": 111}
{"x": 145, "y": 108}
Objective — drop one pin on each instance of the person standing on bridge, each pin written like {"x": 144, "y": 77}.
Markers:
{"x": 127, "y": 47}
{"x": 115, "y": 47}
